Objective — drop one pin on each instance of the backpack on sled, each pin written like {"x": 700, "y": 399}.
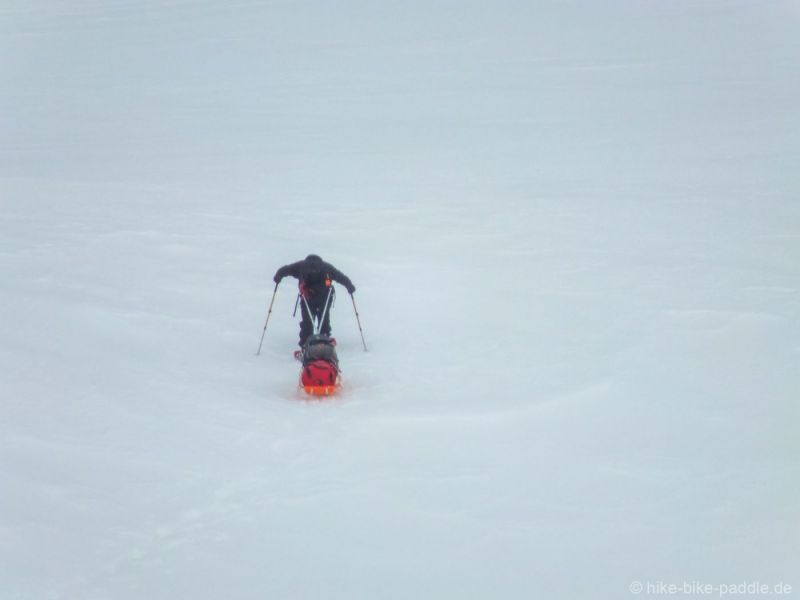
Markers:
{"x": 320, "y": 374}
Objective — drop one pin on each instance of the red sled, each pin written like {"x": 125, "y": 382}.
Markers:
{"x": 320, "y": 378}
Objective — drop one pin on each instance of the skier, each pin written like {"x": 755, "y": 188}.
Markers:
{"x": 314, "y": 276}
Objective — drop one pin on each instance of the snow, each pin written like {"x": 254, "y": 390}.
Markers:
{"x": 574, "y": 229}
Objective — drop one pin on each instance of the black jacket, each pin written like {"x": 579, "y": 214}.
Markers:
{"x": 312, "y": 272}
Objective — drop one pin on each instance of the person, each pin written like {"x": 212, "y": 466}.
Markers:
{"x": 314, "y": 276}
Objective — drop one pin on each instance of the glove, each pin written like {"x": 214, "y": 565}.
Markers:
{"x": 351, "y": 290}
{"x": 277, "y": 279}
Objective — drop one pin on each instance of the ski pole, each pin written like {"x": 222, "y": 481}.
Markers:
{"x": 267, "y": 321}
{"x": 358, "y": 320}
{"x": 296, "y": 304}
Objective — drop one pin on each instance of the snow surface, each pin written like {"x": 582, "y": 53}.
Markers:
{"x": 575, "y": 231}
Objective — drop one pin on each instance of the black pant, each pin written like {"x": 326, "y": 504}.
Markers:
{"x": 316, "y": 302}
